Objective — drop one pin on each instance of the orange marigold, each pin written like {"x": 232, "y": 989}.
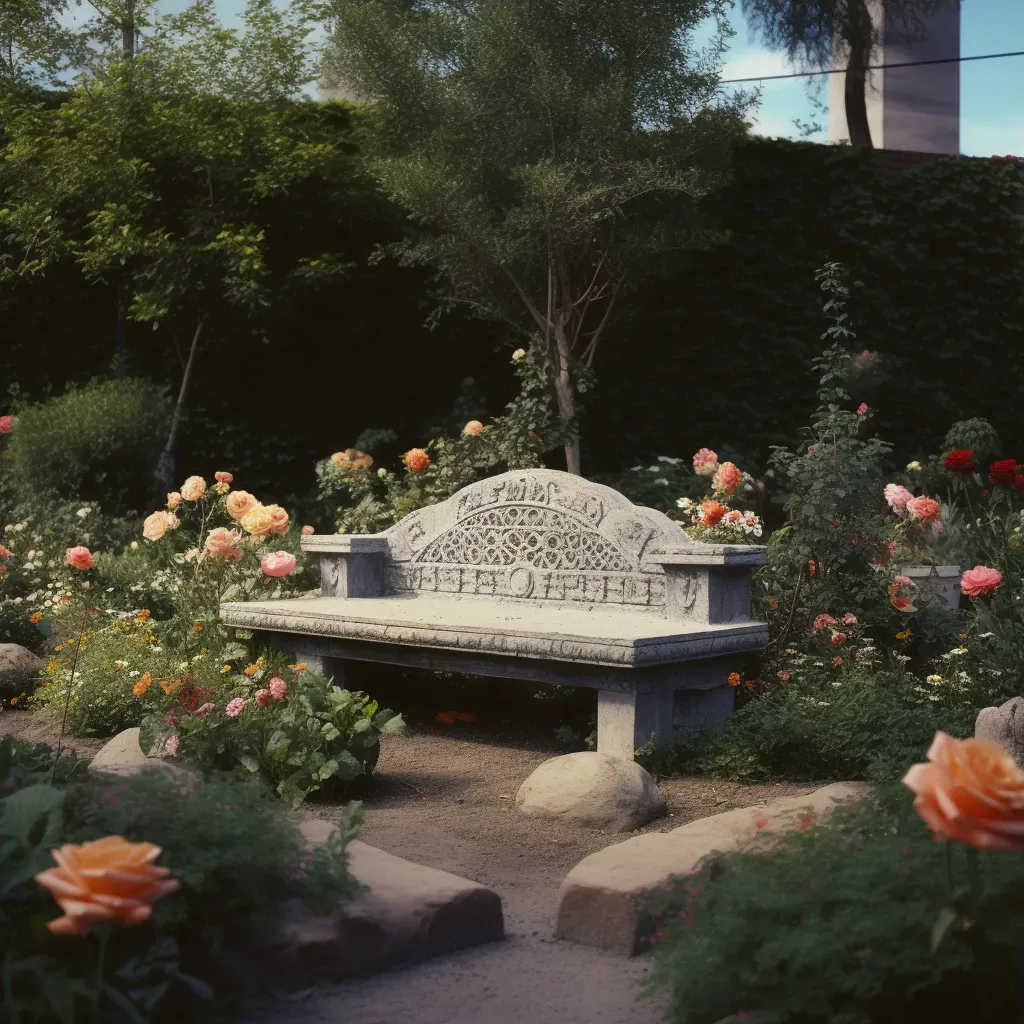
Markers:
{"x": 734, "y": 679}
{"x": 416, "y": 460}
{"x": 142, "y": 685}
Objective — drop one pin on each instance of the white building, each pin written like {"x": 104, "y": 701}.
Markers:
{"x": 915, "y": 108}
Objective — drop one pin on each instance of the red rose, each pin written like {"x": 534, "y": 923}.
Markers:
{"x": 960, "y": 461}
{"x": 1003, "y": 473}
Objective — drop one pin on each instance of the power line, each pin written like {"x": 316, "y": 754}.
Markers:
{"x": 873, "y": 67}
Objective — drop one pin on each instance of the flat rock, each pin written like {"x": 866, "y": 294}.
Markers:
{"x": 408, "y": 913}
{"x": 602, "y": 900}
{"x": 1004, "y": 725}
{"x": 122, "y": 755}
{"x": 19, "y": 668}
{"x": 592, "y": 789}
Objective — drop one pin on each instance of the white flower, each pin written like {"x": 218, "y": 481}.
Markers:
{"x": 662, "y": 480}
{"x": 985, "y": 636}
{"x": 913, "y": 467}
{"x": 157, "y": 649}
{"x": 683, "y": 503}
{"x": 669, "y": 460}
{"x": 382, "y": 472}
{"x": 121, "y": 664}
{"x": 17, "y": 600}
{"x": 135, "y": 545}
{"x": 958, "y": 650}
{"x": 83, "y": 512}
{"x": 935, "y": 680}
{"x": 31, "y": 556}
{"x": 654, "y": 469}
{"x": 636, "y": 469}
{"x": 520, "y": 353}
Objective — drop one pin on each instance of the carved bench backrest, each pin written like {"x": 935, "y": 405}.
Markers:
{"x": 538, "y": 535}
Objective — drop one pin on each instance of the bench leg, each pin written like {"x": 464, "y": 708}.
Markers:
{"x": 626, "y": 721}
{"x": 311, "y": 656}
{"x": 696, "y": 708}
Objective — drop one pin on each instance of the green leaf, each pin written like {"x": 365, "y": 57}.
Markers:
{"x": 23, "y": 809}
{"x": 250, "y": 761}
{"x": 395, "y": 726}
{"x": 948, "y": 917}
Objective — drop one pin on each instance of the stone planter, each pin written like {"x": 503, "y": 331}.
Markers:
{"x": 940, "y": 581}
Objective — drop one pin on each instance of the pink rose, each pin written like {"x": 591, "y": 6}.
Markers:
{"x": 862, "y": 408}
{"x": 902, "y": 581}
{"x": 838, "y": 638}
{"x": 810, "y": 450}
{"x": 897, "y": 495}
{"x": 262, "y": 698}
{"x": 200, "y": 712}
{"x": 937, "y": 526}
{"x": 278, "y": 563}
{"x": 222, "y": 543}
{"x": 824, "y": 620}
{"x": 727, "y": 478}
{"x": 278, "y": 688}
{"x": 980, "y": 581}
{"x": 234, "y": 708}
{"x": 849, "y": 619}
{"x": 308, "y": 531}
{"x": 223, "y": 478}
{"x": 171, "y": 746}
{"x": 705, "y": 462}
{"x": 79, "y": 558}
{"x": 6, "y": 424}
{"x": 783, "y": 674}
{"x": 193, "y": 488}
{"x": 192, "y": 554}
{"x": 925, "y": 509}
{"x": 280, "y": 518}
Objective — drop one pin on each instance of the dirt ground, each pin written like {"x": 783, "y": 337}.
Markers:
{"x": 445, "y": 796}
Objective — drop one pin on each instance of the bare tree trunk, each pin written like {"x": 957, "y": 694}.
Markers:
{"x": 859, "y": 38}
{"x": 566, "y": 396}
{"x": 128, "y": 31}
{"x": 165, "y": 467}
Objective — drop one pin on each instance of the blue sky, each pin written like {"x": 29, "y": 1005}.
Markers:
{"x": 991, "y": 91}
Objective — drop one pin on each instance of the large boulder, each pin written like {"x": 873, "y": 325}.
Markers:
{"x": 609, "y": 899}
{"x": 19, "y": 669}
{"x": 591, "y": 789}
{"x": 1004, "y": 725}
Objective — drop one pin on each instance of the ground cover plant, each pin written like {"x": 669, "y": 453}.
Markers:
{"x": 862, "y": 918}
{"x": 195, "y": 866}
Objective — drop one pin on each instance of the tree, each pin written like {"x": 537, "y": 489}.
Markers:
{"x": 552, "y": 150}
{"x": 817, "y": 33}
{"x": 155, "y": 171}
{"x": 35, "y": 48}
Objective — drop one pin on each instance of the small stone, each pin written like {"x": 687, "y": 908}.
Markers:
{"x": 1004, "y": 725}
{"x": 592, "y": 789}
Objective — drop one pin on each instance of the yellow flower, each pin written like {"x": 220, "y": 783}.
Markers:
{"x": 903, "y": 634}
{"x": 252, "y": 669}
{"x": 259, "y": 521}
{"x": 169, "y": 688}
{"x": 53, "y": 666}
{"x": 35, "y": 617}
{"x": 143, "y": 615}
{"x": 299, "y": 666}
{"x": 225, "y": 668}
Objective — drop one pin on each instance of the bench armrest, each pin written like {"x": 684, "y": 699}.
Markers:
{"x": 350, "y": 565}
{"x": 709, "y": 583}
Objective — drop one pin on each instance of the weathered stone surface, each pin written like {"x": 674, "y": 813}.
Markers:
{"x": 592, "y": 789}
{"x": 602, "y": 901}
{"x": 410, "y": 913}
{"x": 1004, "y": 725}
{"x": 122, "y": 755}
{"x": 527, "y": 575}
{"x": 19, "y": 668}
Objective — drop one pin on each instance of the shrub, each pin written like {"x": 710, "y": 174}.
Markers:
{"x": 303, "y": 735}
{"x": 94, "y": 443}
{"x": 867, "y": 724}
{"x": 833, "y": 924}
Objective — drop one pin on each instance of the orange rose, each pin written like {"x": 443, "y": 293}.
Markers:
{"x": 416, "y": 460}
{"x": 156, "y": 525}
{"x": 971, "y": 791}
{"x": 727, "y": 478}
{"x": 259, "y": 521}
{"x": 174, "y": 499}
{"x": 713, "y": 513}
{"x": 193, "y": 488}
{"x": 473, "y": 428}
{"x": 105, "y": 881}
{"x": 79, "y": 558}
{"x": 238, "y": 503}
{"x": 352, "y": 458}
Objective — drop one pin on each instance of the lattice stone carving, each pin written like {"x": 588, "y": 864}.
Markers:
{"x": 543, "y": 538}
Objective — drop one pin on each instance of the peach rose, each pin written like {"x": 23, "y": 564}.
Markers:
{"x": 157, "y": 524}
{"x": 308, "y": 531}
{"x": 222, "y": 543}
{"x": 352, "y": 458}
{"x": 223, "y": 478}
{"x": 281, "y": 519}
{"x": 238, "y": 503}
{"x": 193, "y": 488}
{"x": 980, "y": 581}
{"x": 174, "y": 499}
{"x": 416, "y": 460}
{"x": 109, "y": 880}
{"x": 278, "y": 563}
{"x": 925, "y": 509}
{"x": 727, "y": 478}
{"x": 79, "y": 558}
{"x": 971, "y": 791}
{"x": 473, "y": 428}
{"x": 259, "y": 521}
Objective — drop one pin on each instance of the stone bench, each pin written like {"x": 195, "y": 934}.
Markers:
{"x": 542, "y": 576}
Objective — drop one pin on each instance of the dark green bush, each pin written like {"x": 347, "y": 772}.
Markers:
{"x": 98, "y": 443}
{"x": 833, "y": 924}
{"x": 872, "y": 726}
